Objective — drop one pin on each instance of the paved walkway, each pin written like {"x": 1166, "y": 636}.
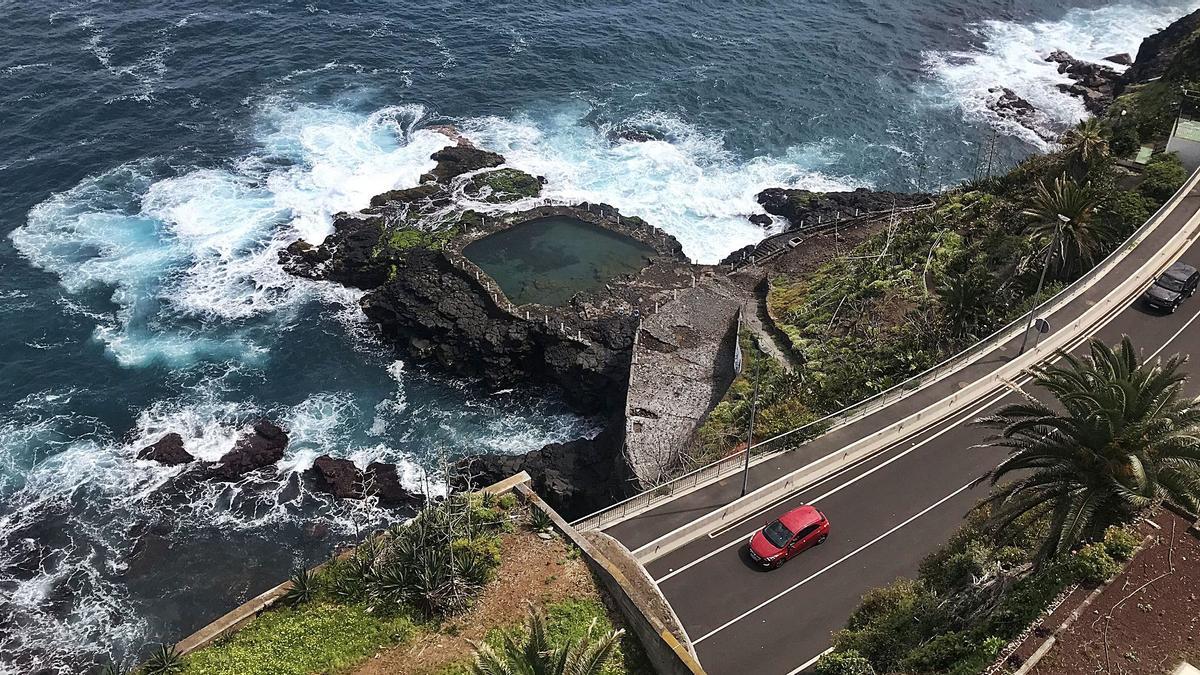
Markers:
{"x": 682, "y": 366}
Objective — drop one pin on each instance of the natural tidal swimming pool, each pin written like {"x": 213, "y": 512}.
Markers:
{"x": 547, "y": 261}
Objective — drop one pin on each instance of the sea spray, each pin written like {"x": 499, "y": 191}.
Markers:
{"x": 1013, "y": 54}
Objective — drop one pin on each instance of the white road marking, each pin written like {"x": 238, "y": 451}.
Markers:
{"x": 827, "y": 479}
{"x": 740, "y": 540}
{"x": 1172, "y": 338}
{"x": 834, "y": 564}
{"x": 804, "y": 666}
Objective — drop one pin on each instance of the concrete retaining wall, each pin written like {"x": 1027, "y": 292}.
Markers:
{"x": 646, "y": 611}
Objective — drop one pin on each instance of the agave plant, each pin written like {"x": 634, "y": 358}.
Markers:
{"x": 390, "y": 585}
{"x": 304, "y": 587}
{"x": 534, "y": 653}
{"x": 539, "y": 520}
{"x": 164, "y": 661}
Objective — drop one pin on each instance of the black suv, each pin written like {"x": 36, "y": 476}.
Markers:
{"x": 1172, "y": 287}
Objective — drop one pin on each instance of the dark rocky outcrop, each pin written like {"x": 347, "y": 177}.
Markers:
{"x": 1171, "y": 49}
{"x": 455, "y": 160}
{"x": 382, "y": 481}
{"x": 761, "y": 219}
{"x": 576, "y": 478}
{"x": 1094, "y": 83}
{"x": 1007, "y": 104}
{"x": 338, "y": 477}
{"x": 1121, "y": 59}
{"x": 348, "y": 256}
{"x": 436, "y": 311}
{"x": 502, "y": 186}
{"x": 634, "y": 135}
{"x": 261, "y": 448}
{"x": 167, "y": 450}
{"x": 809, "y": 208}
{"x": 342, "y": 479}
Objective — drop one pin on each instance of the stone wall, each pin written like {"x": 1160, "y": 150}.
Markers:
{"x": 646, "y": 611}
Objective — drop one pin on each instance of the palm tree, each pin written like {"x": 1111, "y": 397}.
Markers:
{"x": 1078, "y": 238}
{"x": 534, "y": 655}
{"x": 1086, "y": 145}
{"x": 1121, "y": 438}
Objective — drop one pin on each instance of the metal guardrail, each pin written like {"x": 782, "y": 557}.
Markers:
{"x": 789, "y": 440}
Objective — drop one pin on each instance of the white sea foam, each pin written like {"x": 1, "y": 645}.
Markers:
{"x": 688, "y": 184}
{"x": 1012, "y": 55}
{"x": 205, "y": 243}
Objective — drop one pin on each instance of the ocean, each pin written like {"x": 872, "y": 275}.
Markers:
{"x": 157, "y": 156}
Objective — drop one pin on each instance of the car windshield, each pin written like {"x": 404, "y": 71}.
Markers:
{"x": 1170, "y": 283}
{"x": 778, "y": 534}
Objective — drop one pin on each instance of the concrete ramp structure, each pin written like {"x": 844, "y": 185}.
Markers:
{"x": 682, "y": 366}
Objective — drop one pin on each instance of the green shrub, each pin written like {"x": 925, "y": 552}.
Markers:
{"x": 487, "y": 548}
{"x": 508, "y": 501}
{"x": 1125, "y": 141}
{"x": 848, "y": 662}
{"x": 1092, "y": 563}
{"x": 891, "y": 622}
{"x": 1163, "y": 176}
{"x": 1120, "y": 542}
{"x": 940, "y": 654}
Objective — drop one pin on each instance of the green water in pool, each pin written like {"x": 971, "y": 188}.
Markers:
{"x": 548, "y": 261}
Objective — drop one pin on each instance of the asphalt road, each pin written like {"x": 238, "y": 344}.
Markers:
{"x": 887, "y": 513}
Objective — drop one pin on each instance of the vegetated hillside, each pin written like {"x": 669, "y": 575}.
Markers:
{"x": 934, "y": 283}
{"x": 1150, "y": 92}
{"x": 1081, "y": 469}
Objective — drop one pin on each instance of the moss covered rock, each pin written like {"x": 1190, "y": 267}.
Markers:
{"x": 503, "y": 186}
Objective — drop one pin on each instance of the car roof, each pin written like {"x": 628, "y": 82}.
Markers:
{"x": 1181, "y": 271}
{"x": 798, "y": 519}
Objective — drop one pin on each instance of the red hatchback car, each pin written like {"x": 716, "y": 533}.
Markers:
{"x": 795, "y": 531}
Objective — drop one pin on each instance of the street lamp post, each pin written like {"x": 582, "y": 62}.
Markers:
{"x": 1062, "y": 220}
{"x": 750, "y": 432}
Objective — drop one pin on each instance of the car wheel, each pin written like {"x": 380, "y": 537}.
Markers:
{"x": 822, "y": 539}
{"x": 1174, "y": 307}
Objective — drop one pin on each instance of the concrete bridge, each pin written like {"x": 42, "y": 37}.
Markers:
{"x": 894, "y": 474}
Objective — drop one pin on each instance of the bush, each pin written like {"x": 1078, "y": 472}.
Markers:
{"x": 848, "y": 662}
{"x": 940, "y": 654}
{"x": 1092, "y": 563}
{"x": 1120, "y": 543}
{"x": 891, "y": 622}
{"x": 1125, "y": 141}
{"x": 1164, "y": 175}
{"x": 508, "y": 501}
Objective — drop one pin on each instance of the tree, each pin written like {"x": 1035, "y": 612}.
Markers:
{"x": 535, "y": 655}
{"x": 1080, "y": 238}
{"x": 1086, "y": 145}
{"x": 1121, "y": 438}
